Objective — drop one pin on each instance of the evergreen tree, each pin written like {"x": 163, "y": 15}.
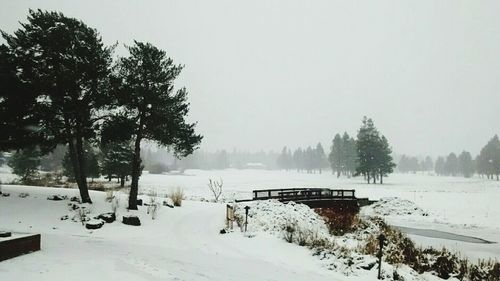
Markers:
{"x": 285, "y": 159}
{"x": 367, "y": 144}
{"x": 428, "y": 165}
{"x": 116, "y": 160}
{"x": 451, "y": 165}
{"x": 25, "y": 163}
{"x": 488, "y": 160}
{"x": 385, "y": 163}
{"x": 319, "y": 158}
{"x": 465, "y": 164}
{"x": 440, "y": 167}
{"x": 337, "y": 157}
{"x": 145, "y": 87}
{"x": 373, "y": 151}
{"x": 63, "y": 68}
{"x": 350, "y": 154}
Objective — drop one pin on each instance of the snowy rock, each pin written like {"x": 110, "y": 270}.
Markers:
{"x": 65, "y": 217}
{"x": 5, "y": 194}
{"x": 131, "y": 220}
{"x": 75, "y": 199}
{"x": 139, "y": 202}
{"x": 168, "y": 203}
{"x": 57, "y": 197}
{"x": 107, "y": 217}
{"x": 394, "y": 206}
{"x": 94, "y": 224}
{"x": 23, "y": 195}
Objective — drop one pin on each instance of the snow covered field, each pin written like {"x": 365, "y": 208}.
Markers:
{"x": 184, "y": 243}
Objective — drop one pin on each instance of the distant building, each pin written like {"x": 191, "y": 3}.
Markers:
{"x": 257, "y": 166}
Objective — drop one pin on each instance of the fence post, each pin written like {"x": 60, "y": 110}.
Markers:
{"x": 381, "y": 240}
{"x": 246, "y": 217}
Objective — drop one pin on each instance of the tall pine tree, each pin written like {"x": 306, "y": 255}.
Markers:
{"x": 145, "y": 85}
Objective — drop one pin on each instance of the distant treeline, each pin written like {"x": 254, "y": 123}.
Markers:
{"x": 486, "y": 164}
{"x": 368, "y": 155}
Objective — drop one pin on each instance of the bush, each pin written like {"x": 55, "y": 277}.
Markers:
{"x": 177, "y": 195}
{"x": 158, "y": 168}
{"x": 339, "y": 221}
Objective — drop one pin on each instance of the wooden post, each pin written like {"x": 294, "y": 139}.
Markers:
{"x": 381, "y": 239}
{"x": 246, "y": 217}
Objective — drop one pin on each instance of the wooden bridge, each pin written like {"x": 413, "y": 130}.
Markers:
{"x": 312, "y": 197}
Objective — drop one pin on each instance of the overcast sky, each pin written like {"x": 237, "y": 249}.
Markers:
{"x": 264, "y": 74}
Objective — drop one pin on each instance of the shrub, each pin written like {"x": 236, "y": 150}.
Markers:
{"x": 177, "y": 195}
{"x": 216, "y": 188}
{"x": 340, "y": 221}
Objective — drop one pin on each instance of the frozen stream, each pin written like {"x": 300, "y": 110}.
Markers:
{"x": 431, "y": 233}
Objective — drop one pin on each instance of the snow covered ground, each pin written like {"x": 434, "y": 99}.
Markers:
{"x": 184, "y": 243}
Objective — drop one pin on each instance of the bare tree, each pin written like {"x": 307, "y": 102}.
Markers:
{"x": 216, "y": 188}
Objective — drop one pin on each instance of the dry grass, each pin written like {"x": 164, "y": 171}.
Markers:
{"x": 177, "y": 195}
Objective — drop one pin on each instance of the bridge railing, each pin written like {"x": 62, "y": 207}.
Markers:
{"x": 289, "y": 194}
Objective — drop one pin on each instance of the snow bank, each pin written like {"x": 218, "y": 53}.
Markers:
{"x": 273, "y": 216}
{"x": 394, "y": 206}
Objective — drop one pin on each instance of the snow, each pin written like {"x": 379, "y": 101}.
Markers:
{"x": 184, "y": 243}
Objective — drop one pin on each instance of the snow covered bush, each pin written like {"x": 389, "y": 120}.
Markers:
{"x": 177, "y": 195}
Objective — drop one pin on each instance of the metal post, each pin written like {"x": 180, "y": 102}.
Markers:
{"x": 246, "y": 217}
{"x": 381, "y": 240}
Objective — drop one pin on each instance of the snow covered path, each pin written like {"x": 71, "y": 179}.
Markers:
{"x": 182, "y": 244}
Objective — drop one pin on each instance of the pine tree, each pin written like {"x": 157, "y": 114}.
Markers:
{"x": 145, "y": 86}
{"x": 319, "y": 158}
{"x": 336, "y": 157}
{"x": 488, "y": 161}
{"x": 373, "y": 152}
{"x": 25, "y": 163}
{"x": 465, "y": 164}
{"x": 440, "y": 167}
{"x": 63, "y": 68}
{"x": 451, "y": 165}
{"x": 385, "y": 165}
{"x": 367, "y": 145}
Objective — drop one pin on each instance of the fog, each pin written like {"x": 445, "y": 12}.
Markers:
{"x": 264, "y": 74}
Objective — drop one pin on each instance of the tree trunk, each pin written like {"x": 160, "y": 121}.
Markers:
{"x": 368, "y": 177}
{"x": 381, "y": 178}
{"x": 136, "y": 170}
{"x": 75, "y": 162}
{"x": 122, "y": 181}
{"x": 84, "y": 190}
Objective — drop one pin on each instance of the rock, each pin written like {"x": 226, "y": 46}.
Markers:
{"x": 5, "y": 194}
{"x": 75, "y": 199}
{"x": 57, "y": 197}
{"x": 73, "y": 206}
{"x": 139, "y": 202}
{"x": 94, "y": 224}
{"x": 107, "y": 217}
{"x": 168, "y": 203}
{"x": 4, "y": 234}
{"x": 65, "y": 217}
{"x": 131, "y": 220}
{"x": 24, "y": 195}
{"x": 223, "y": 231}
